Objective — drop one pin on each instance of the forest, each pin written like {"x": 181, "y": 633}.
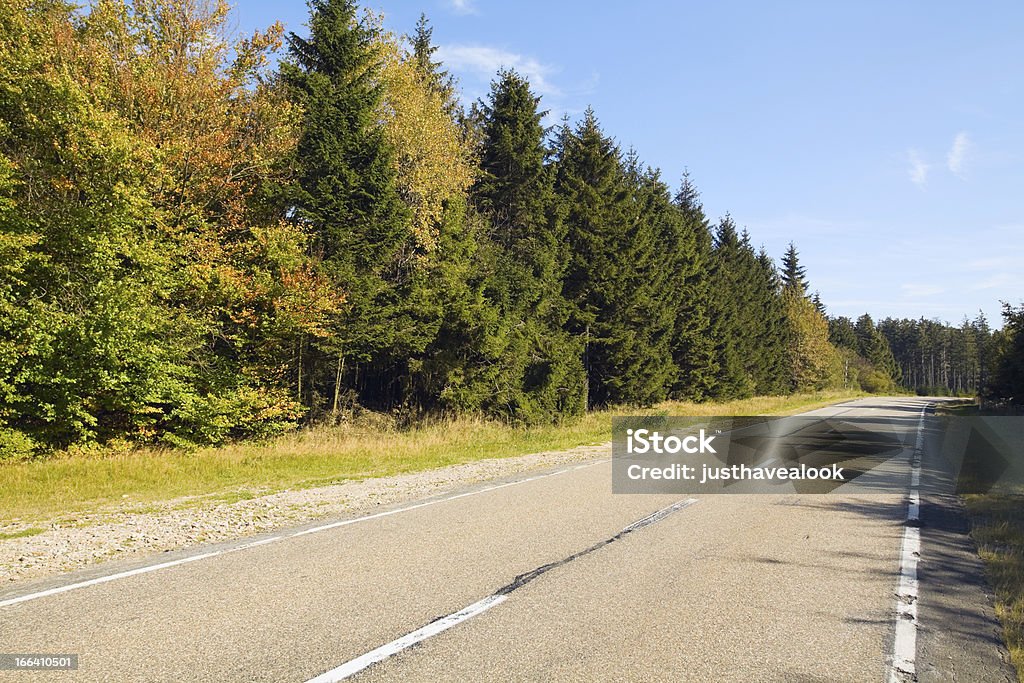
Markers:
{"x": 207, "y": 237}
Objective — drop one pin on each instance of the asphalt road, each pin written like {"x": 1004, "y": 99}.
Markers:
{"x": 715, "y": 588}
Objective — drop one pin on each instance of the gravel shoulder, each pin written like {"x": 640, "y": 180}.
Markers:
{"x": 131, "y": 532}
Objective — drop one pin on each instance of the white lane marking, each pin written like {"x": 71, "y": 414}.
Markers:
{"x": 354, "y": 666}
{"x": 135, "y": 572}
{"x": 904, "y": 650}
{"x": 395, "y": 646}
{"x": 295, "y": 534}
{"x": 111, "y": 577}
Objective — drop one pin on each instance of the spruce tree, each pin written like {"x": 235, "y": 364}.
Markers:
{"x": 440, "y": 81}
{"x": 693, "y": 346}
{"x": 793, "y": 274}
{"x": 730, "y": 290}
{"x": 611, "y": 250}
{"x": 653, "y": 253}
{"x": 346, "y": 192}
{"x": 529, "y": 368}
{"x": 770, "y": 364}
{"x": 1007, "y": 383}
{"x": 819, "y": 305}
{"x": 842, "y": 334}
{"x": 748, "y": 320}
{"x": 874, "y": 347}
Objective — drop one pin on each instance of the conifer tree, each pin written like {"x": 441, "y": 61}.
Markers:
{"x": 347, "y": 193}
{"x": 819, "y": 305}
{"x": 439, "y": 81}
{"x": 530, "y": 368}
{"x": 656, "y": 254}
{"x": 729, "y": 292}
{"x": 794, "y": 275}
{"x": 770, "y": 361}
{"x": 693, "y": 347}
{"x": 842, "y": 333}
{"x": 1007, "y": 382}
{"x": 874, "y": 347}
{"x": 602, "y": 276}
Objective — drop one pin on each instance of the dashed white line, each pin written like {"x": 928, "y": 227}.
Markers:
{"x": 303, "y": 532}
{"x": 354, "y": 666}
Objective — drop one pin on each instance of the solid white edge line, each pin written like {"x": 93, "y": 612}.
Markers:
{"x": 245, "y": 546}
{"x": 904, "y": 649}
{"x": 135, "y": 572}
{"x": 356, "y": 665}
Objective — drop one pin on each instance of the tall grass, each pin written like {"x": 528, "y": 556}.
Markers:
{"x": 73, "y": 484}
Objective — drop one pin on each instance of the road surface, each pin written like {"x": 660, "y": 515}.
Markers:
{"x": 549, "y": 577}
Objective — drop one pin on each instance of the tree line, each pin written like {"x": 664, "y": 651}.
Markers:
{"x": 200, "y": 242}
{"x": 937, "y": 359}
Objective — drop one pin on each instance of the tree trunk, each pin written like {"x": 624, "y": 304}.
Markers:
{"x": 337, "y": 383}
{"x": 301, "y": 339}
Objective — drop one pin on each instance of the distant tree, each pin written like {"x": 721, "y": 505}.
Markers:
{"x": 1008, "y": 380}
{"x": 842, "y": 334}
{"x": 819, "y": 305}
{"x": 982, "y": 334}
{"x": 873, "y": 346}
{"x": 440, "y": 82}
{"x": 814, "y": 362}
{"x": 794, "y": 275}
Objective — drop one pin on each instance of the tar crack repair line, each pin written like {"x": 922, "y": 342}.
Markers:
{"x": 354, "y": 666}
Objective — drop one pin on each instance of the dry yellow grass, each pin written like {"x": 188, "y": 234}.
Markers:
{"x": 73, "y": 484}
{"x": 998, "y": 528}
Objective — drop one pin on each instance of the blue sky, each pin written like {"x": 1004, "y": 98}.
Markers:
{"x": 884, "y": 138}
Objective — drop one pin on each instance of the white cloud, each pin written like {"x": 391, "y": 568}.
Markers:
{"x": 463, "y": 6}
{"x": 918, "y": 168}
{"x": 957, "y": 153}
{"x": 485, "y": 62}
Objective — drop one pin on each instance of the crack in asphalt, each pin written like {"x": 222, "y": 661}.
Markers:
{"x": 525, "y": 578}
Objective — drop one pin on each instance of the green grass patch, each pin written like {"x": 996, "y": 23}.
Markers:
{"x": 71, "y": 484}
{"x": 30, "y": 531}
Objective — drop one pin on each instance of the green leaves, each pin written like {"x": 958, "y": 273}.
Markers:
{"x": 195, "y": 248}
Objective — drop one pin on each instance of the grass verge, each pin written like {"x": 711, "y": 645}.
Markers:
{"x": 997, "y": 526}
{"x": 69, "y": 486}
